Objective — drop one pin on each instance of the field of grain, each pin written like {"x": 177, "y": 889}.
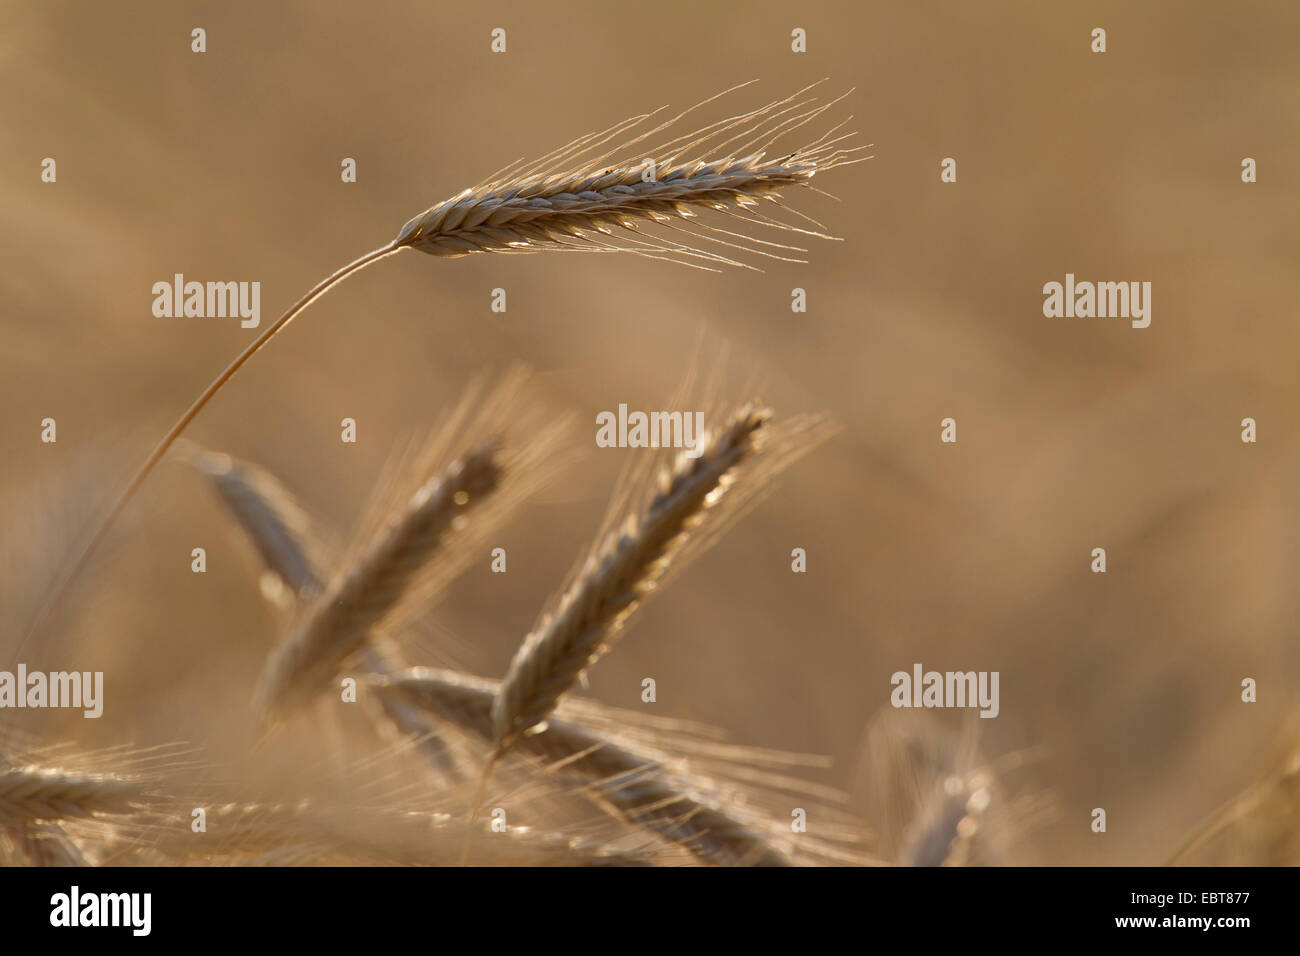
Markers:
{"x": 500, "y": 716}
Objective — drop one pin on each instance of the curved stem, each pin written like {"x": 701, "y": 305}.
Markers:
{"x": 1210, "y": 827}
{"x": 60, "y": 588}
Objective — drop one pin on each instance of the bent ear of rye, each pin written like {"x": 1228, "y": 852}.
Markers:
{"x": 589, "y": 197}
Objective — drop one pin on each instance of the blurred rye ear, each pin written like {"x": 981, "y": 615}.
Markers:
{"x": 492, "y": 451}
{"x": 629, "y": 785}
{"x": 42, "y": 788}
{"x": 574, "y": 199}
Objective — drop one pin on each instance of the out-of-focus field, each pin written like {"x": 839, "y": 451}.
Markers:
{"x": 1073, "y": 433}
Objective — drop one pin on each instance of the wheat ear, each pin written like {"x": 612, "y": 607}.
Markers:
{"x": 37, "y": 793}
{"x": 632, "y": 788}
{"x": 576, "y": 205}
{"x": 260, "y": 833}
{"x": 627, "y": 567}
{"x": 271, "y": 518}
{"x": 573, "y": 199}
{"x": 338, "y": 622}
{"x": 268, "y": 514}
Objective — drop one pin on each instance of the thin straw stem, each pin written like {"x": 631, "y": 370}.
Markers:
{"x": 60, "y": 588}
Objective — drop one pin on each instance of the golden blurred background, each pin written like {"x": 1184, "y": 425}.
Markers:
{"x": 1073, "y": 433}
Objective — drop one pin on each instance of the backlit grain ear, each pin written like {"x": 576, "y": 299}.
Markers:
{"x": 590, "y": 201}
{"x": 616, "y": 578}
{"x": 632, "y": 786}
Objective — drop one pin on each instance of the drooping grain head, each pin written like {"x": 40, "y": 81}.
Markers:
{"x": 582, "y": 199}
